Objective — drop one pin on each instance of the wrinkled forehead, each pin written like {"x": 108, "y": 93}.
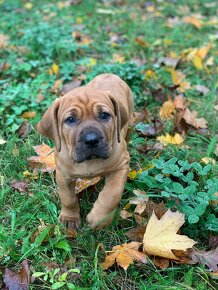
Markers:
{"x": 85, "y": 98}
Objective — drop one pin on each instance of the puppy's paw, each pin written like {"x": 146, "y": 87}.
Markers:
{"x": 99, "y": 220}
{"x": 70, "y": 222}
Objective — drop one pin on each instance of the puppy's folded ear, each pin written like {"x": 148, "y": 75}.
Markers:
{"x": 48, "y": 126}
{"x": 121, "y": 114}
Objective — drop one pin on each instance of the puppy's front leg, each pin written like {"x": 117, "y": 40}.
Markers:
{"x": 70, "y": 211}
{"x": 104, "y": 208}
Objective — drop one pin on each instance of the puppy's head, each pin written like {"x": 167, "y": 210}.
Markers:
{"x": 87, "y": 120}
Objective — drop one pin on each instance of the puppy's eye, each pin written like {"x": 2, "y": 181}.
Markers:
{"x": 104, "y": 116}
{"x": 70, "y": 120}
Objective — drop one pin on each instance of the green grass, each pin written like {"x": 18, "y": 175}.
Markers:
{"x": 45, "y": 31}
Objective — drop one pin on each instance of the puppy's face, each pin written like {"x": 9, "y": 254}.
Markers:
{"x": 87, "y": 120}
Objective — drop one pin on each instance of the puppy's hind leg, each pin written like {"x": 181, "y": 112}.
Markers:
{"x": 70, "y": 211}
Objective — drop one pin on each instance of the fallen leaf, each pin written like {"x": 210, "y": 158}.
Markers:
{"x": 81, "y": 38}
{"x": 82, "y": 184}
{"x": 160, "y": 262}
{"x": 206, "y": 258}
{"x": 216, "y": 107}
{"x": 140, "y": 201}
{"x": 150, "y": 74}
{"x": 124, "y": 214}
{"x": 24, "y": 130}
{"x": 2, "y": 141}
{"x": 17, "y": 280}
{"x": 45, "y": 161}
{"x": 124, "y": 255}
{"x": 118, "y": 58}
{"x": 198, "y": 63}
{"x": 57, "y": 86}
{"x": 167, "y": 110}
{"x": 168, "y": 139}
{"x": 21, "y": 186}
{"x": 202, "y": 89}
{"x": 3, "y": 40}
{"x": 28, "y": 115}
{"x": 190, "y": 118}
{"x": 208, "y": 160}
{"x": 161, "y": 236}
{"x": 158, "y": 208}
{"x": 140, "y": 116}
{"x": 194, "y": 21}
{"x": 54, "y": 69}
{"x": 146, "y": 130}
{"x": 213, "y": 240}
{"x": 169, "y": 61}
{"x": 70, "y": 86}
{"x": 28, "y": 5}
{"x": 178, "y": 79}
{"x": 141, "y": 42}
{"x": 136, "y": 234}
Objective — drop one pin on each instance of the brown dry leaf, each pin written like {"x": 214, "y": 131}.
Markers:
{"x": 202, "y": 89}
{"x": 140, "y": 201}
{"x": 206, "y": 258}
{"x": 193, "y": 20}
{"x": 124, "y": 214}
{"x": 17, "y": 280}
{"x": 82, "y": 184}
{"x": 70, "y": 86}
{"x": 168, "y": 139}
{"x": 178, "y": 79}
{"x": 136, "y": 234}
{"x": 158, "y": 208}
{"x": 190, "y": 118}
{"x": 124, "y": 255}
{"x": 141, "y": 42}
{"x": 21, "y": 186}
{"x": 24, "y": 130}
{"x": 167, "y": 110}
{"x": 161, "y": 236}
{"x": 140, "y": 116}
{"x": 81, "y": 38}
{"x": 3, "y": 40}
{"x": 160, "y": 262}
{"x": 45, "y": 161}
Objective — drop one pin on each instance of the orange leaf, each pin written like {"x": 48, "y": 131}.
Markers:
{"x": 124, "y": 255}
{"x": 194, "y": 21}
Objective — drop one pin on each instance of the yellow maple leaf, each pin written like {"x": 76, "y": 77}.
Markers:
{"x": 92, "y": 62}
{"x": 124, "y": 255}
{"x": 161, "y": 236}
{"x": 167, "y": 110}
{"x": 168, "y": 139}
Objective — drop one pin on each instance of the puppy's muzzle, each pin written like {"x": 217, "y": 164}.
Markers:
{"x": 91, "y": 145}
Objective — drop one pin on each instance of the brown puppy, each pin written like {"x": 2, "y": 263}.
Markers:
{"x": 89, "y": 127}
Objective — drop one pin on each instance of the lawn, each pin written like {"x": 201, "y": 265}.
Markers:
{"x": 167, "y": 53}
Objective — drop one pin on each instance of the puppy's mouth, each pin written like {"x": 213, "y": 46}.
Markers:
{"x": 91, "y": 145}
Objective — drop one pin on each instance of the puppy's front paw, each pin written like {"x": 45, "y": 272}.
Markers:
{"x": 98, "y": 220}
{"x": 70, "y": 222}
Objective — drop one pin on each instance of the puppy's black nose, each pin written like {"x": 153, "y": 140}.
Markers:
{"x": 91, "y": 139}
